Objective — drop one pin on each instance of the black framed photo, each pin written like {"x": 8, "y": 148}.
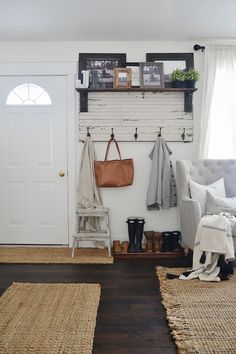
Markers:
{"x": 171, "y": 61}
{"x": 151, "y": 75}
{"x": 100, "y": 66}
{"x": 135, "y": 73}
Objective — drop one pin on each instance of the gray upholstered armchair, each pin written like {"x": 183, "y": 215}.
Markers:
{"x": 203, "y": 172}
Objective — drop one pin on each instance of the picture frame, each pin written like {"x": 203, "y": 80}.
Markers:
{"x": 151, "y": 75}
{"x": 135, "y": 73}
{"x": 101, "y": 67}
{"x": 171, "y": 61}
{"x": 122, "y": 78}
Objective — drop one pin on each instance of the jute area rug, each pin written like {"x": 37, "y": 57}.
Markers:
{"x": 48, "y": 318}
{"x": 201, "y": 315}
{"x": 53, "y": 255}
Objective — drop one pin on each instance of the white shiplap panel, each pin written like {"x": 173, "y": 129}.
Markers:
{"x": 135, "y": 115}
{"x": 125, "y": 111}
{"x": 152, "y": 123}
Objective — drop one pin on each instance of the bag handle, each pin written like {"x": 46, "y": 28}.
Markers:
{"x": 108, "y": 147}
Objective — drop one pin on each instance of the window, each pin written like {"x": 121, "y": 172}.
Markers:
{"x": 28, "y": 94}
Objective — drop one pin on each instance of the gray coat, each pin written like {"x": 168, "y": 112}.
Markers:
{"x": 162, "y": 189}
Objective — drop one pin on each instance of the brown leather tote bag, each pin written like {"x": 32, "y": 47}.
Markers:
{"x": 114, "y": 173}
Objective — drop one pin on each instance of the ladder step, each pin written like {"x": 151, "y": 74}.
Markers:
{"x": 91, "y": 235}
{"x": 92, "y": 212}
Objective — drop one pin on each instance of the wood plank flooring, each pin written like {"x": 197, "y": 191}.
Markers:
{"x": 131, "y": 318}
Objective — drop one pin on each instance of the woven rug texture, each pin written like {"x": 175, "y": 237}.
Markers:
{"x": 54, "y": 255}
{"x": 48, "y": 318}
{"x": 201, "y": 315}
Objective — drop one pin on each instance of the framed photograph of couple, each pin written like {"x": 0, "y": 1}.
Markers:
{"x": 151, "y": 75}
{"x": 171, "y": 61}
{"x": 100, "y": 66}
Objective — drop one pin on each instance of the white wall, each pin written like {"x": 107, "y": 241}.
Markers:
{"x": 127, "y": 201}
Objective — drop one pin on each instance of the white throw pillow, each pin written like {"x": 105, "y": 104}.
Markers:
{"x": 198, "y": 192}
{"x": 217, "y": 205}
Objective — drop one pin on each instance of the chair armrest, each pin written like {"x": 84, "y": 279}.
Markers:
{"x": 190, "y": 215}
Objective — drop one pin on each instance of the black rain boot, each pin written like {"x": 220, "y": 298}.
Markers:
{"x": 139, "y": 234}
{"x": 131, "y": 230}
{"x": 165, "y": 241}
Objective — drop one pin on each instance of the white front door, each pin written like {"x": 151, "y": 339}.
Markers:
{"x": 33, "y": 159}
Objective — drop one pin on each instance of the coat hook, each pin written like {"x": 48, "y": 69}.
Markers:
{"x": 112, "y": 134}
{"x": 136, "y": 134}
{"x": 183, "y": 134}
{"x": 88, "y": 133}
{"x": 159, "y": 134}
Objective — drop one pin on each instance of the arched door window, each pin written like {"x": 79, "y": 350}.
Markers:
{"x": 28, "y": 94}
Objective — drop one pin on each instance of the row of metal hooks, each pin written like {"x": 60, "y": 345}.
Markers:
{"x": 136, "y": 133}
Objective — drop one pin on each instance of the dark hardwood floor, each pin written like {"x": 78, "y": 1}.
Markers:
{"x": 131, "y": 318}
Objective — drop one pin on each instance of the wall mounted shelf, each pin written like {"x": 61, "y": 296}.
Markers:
{"x": 188, "y": 92}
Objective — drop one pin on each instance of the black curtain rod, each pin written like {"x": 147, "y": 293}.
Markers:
{"x": 199, "y": 47}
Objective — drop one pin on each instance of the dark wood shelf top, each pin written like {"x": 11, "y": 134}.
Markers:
{"x": 137, "y": 89}
{"x": 149, "y": 255}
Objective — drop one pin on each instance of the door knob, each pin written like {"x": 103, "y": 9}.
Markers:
{"x": 61, "y": 173}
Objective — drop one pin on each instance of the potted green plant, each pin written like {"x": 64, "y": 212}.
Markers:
{"x": 191, "y": 76}
{"x": 177, "y": 77}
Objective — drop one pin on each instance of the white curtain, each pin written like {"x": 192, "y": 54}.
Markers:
{"x": 218, "y": 119}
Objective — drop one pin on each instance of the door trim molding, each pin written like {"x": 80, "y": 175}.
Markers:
{"x": 57, "y": 69}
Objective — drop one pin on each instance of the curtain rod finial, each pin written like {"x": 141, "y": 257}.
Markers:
{"x": 198, "y": 47}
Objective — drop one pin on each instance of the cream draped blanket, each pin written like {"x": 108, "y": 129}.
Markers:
{"x": 89, "y": 195}
{"x": 213, "y": 238}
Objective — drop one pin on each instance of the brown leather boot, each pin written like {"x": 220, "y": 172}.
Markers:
{"x": 149, "y": 238}
{"x": 156, "y": 241}
{"x": 124, "y": 247}
{"x": 116, "y": 246}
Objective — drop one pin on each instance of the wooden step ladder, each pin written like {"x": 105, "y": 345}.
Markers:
{"x": 82, "y": 235}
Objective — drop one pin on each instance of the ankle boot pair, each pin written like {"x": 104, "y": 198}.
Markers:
{"x": 135, "y": 230}
{"x": 176, "y": 241}
{"x": 153, "y": 241}
{"x": 120, "y": 247}
{"x": 170, "y": 241}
